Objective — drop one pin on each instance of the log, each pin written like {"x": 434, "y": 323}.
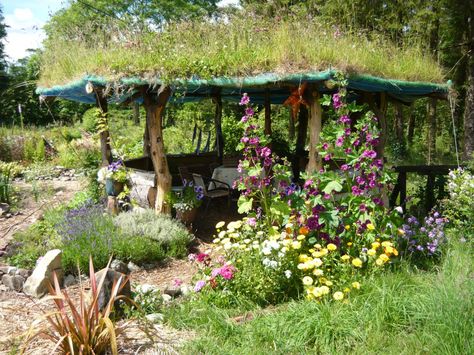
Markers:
{"x": 315, "y": 122}
{"x": 154, "y": 106}
{"x": 102, "y": 105}
{"x": 218, "y": 126}
{"x": 431, "y": 121}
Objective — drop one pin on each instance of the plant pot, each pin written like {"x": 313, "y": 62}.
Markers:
{"x": 187, "y": 217}
{"x": 113, "y": 188}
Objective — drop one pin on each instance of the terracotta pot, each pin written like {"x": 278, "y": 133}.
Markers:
{"x": 187, "y": 217}
{"x": 113, "y": 188}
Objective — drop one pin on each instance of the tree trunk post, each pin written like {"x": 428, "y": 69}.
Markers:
{"x": 380, "y": 111}
{"x": 411, "y": 124}
{"x": 102, "y": 105}
{"x": 136, "y": 113}
{"x": 154, "y": 107}
{"x": 399, "y": 124}
{"x": 268, "y": 113}
{"x": 218, "y": 126}
{"x": 431, "y": 121}
{"x": 315, "y": 123}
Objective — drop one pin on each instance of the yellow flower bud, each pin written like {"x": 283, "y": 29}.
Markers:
{"x": 357, "y": 262}
{"x": 331, "y": 247}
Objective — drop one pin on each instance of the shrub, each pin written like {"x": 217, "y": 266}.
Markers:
{"x": 140, "y": 250}
{"x": 7, "y": 172}
{"x": 169, "y": 233}
{"x": 459, "y": 207}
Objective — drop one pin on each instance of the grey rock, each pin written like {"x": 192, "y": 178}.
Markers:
{"x": 166, "y": 298}
{"x": 69, "y": 280}
{"x": 146, "y": 288}
{"x": 172, "y": 291}
{"x": 111, "y": 276}
{"x": 119, "y": 266}
{"x": 23, "y": 273}
{"x": 4, "y": 269}
{"x": 133, "y": 267}
{"x": 37, "y": 284}
{"x": 11, "y": 270}
{"x": 185, "y": 290}
{"x": 14, "y": 282}
{"x": 155, "y": 317}
{"x": 4, "y": 208}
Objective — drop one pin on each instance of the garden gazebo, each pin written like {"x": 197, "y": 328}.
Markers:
{"x": 273, "y": 67}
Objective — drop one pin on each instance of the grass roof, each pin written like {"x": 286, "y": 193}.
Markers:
{"x": 236, "y": 47}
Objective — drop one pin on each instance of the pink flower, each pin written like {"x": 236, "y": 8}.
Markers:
{"x": 201, "y": 257}
{"x": 249, "y": 111}
{"x": 325, "y": 146}
{"x": 252, "y": 221}
{"x": 177, "y": 282}
{"x": 265, "y": 152}
{"x": 199, "y": 285}
{"x": 336, "y": 101}
{"x": 344, "y": 119}
{"x": 339, "y": 141}
{"x": 344, "y": 167}
{"x": 245, "y": 100}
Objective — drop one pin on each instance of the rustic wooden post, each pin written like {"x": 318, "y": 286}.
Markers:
{"x": 431, "y": 121}
{"x": 411, "y": 125}
{"x": 301, "y": 139}
{"x": 399, "y": 124}
{"x": 154, "y": 106}
{"x": 381, "y": 113}
{"x": 268, "y": 113}
{"x": 315, "y": 122}
{"x": 136, "y": 113}
{"x": 218, "y": 126}
{"x": 146, "y": 138}
{"x": 102, "y": 105}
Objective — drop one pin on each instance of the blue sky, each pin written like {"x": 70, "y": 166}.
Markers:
{"x": 26, "y": 18}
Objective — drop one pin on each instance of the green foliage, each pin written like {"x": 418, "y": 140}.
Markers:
{"x": 231, "y": 132}
{"x": 7, "y": 172}
{"x": 435, "y": 306}
{"x": 169, "y": 233}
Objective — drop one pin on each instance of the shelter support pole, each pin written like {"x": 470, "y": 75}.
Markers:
{"x": 431, "y": 120}
{"x": 146, "y": 138}
{"x": 315, "y": 123}
{"x": 301, "y": 139}
{"x": 218, "y": 126}
{"x": 399, "y": 124}
{"x": 411, "y": 125}
{"x": 154, "y": 106}
{"x": 268, "y": 113}
{"x": 102, "y": 105}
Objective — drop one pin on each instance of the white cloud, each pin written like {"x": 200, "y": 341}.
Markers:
{"x": 24, "y": 31}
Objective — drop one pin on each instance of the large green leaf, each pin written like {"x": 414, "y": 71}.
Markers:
{"x": 245, "y": 205}
{"x": 332, "y": 186}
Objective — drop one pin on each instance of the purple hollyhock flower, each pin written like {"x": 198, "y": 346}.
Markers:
{"x": 265, "y": 152}
{"x": 249, "y": 111}
{"x": 356, "y": 191}
{"x": 325, "y": 146}
{"x": 308, "y": 183}
{"x": 254, "y": 141}
{"x": 336, "y": 101}
{"x": 339, "y": 141}
{"x": 199, "y": 285}
{"x": 312, "y": 223}
{"x": 327, "y": 157}
{"x": 345, "y": 167}
{"x": 347, "y": 131}
{"x": 244, "y": 119}
{"x": 245, "y": 100}
{"x": 344, "y": 119}
{"x": 252, "y": 221}
{"x": 362, "y": 207}
{"x": 356, "y": 142}
{"x": 360, "y": 180}
{"x": 369, "y": 154}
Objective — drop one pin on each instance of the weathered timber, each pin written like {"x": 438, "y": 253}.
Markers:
{"x": 315, "y": 122}
{"x": 399, "y": 124}
{"x": 102, "y": 105}
{"x": 268, "y": 113}
{"x": 431, "y": 121}
{"x": 154, "y": 106}
{"x": 218, "y": 126}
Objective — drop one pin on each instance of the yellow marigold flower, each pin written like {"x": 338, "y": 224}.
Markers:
{"x": 331, "y": 247}
{"x": 323, "y": 280}
{"x": 401, "y": 232}
{"x": 356, "y": 285}
{"x": 318, "y": 272}
{"x": 384, "y": 257}
{"x": 317, "y": 254}
{"x": 324, "y": 290}
{"x": 310, "y": 289}
{"x": 302, "y": 258}
{"x": 304, "y": 230}
{"x": 347, "y": 227}
{"x": 349, "y": 244}
{"x": 307, "y": 280}
{"x": 301, "y": 266}
{"x": 296, "y": 244}
{"x": 375, "y": 245}
{"x": 371, "y": 252}
{"x": 338, "y": 295}
{"x": 370, "y": 227}
{"x": 220, "y": 224}
{"x": 317, "y": 262}
{"x": 317, "y": 246}
{"x": 395, "y": 252}
{"x": 329, "y": 283}
{"x": 357, "y": 262}
{"x": 379, "y": 262}
{"x": 324, "y": 251}
{"x": 345, "y": 257}
{"x": 347, "y": 290}
{"x": 311, "y": 250}
{"x": 300, "y": 237}
{"x": 388, "y": 250}
{"x": 386, "y": 244}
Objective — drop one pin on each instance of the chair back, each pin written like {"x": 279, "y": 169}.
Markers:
{"x": 199, "y": 181}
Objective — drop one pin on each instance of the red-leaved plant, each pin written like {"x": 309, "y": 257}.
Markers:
{"x": 84, "y": 330}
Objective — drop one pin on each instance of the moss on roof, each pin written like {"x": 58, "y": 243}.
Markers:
{"x": 235, "y": 47}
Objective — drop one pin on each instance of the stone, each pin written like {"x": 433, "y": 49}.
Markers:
{"x": 11, "y": 270}
{"x": 4, "y": 269}
{"x": 111, "y": 276}
{"x": 133, "y": 267}
{"x": 119, "y": 266}
{"x": 166, "y": 298}
{"x": 172, "y": 291}
{"x": 69, "y": 280}
{"x": 146, "y": 288}
{"x": 14, "y": 282}
{"x": 155, "y": 317}
{"x": 185, "y": 290}
{"x": 23, "y": 273}
{"x": 4, "y": 208}
{"x": 37, "y": 284}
